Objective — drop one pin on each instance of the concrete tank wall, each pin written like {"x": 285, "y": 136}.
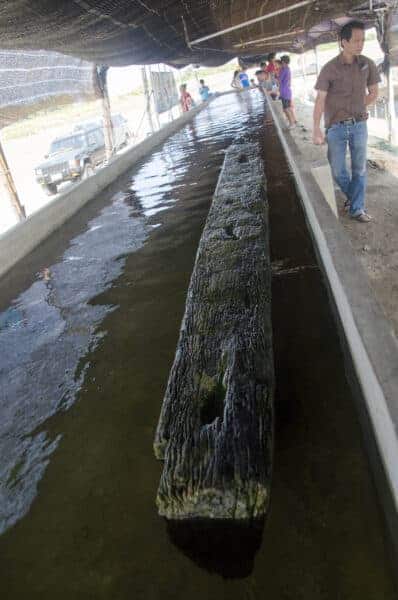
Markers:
{"x": 369, "y": 344}
{"x": 25, "y": 236}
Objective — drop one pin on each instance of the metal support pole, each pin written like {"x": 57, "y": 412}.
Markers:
{"x": 318, "y": 66}
{"x": 269, "y": 37}
{"x": 392, "y": 118}
{"x": 7, "y": 186}
{"x": 302, "y": 60}
{"x": 179, "y": 86}
{"x": 171, "y": 118}
{"x": 270, "y": 15}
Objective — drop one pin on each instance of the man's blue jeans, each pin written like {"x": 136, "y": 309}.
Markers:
{"x": 355, "y": 135}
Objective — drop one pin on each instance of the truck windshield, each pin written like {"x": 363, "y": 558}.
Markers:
{"x": 69, "y": 143}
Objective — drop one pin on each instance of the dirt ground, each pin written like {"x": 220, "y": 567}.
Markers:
{"x": 375, "y": 243}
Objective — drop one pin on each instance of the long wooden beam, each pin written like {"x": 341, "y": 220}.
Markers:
{"x": 216, "y": 425}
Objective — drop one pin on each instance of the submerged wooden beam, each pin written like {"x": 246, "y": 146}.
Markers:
{"x": 216, "y": 425}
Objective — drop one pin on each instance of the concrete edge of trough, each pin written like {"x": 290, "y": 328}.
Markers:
{"x": 21, "y": 239}
{"x": 367, "y": 333}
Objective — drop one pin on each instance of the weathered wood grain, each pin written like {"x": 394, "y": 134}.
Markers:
{"x": 216, "y": 424}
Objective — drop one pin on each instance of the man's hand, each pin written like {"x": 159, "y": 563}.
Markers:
{"x": 371, "y": 97}
{"x": 318, "y": 137}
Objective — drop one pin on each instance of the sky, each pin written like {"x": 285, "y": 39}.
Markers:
{"x": 124, "y": 79}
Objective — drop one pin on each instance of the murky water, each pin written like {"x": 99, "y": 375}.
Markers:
{"x": 86, "y": 345}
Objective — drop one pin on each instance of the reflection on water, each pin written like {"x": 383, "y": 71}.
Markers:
{"x": 51, "y": 326}
{"x": 88, "y": 348}
{"x": 225, "y": 548}
{"x": 44, "y": 337}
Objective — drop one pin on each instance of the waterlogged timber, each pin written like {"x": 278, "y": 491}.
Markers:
{"x": 216, "y": 426}
{"x": 78, "y": 476}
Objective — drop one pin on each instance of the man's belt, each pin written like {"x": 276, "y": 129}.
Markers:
{"x": 352, "y": 120}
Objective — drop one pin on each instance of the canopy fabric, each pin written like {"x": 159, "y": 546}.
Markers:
{"x": 50, "y": 49}
{"x": 122, "y": 32}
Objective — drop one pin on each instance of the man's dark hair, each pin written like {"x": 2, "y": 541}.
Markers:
{"x": 259, "y": 72}
{"x": 201, "y": 81}
{"x": 263, "y": 64}
{"x": 346, "y": 31}
{"x": 271, "y": 56}
{"x": 285, "y": 59}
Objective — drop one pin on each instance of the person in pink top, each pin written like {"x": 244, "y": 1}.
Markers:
{"x": 271, "y": 75}
{"x": 271, "y": 68}
{"x": 186, "y": 100}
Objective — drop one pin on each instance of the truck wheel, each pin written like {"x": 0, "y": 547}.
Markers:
{"x": 87, "y": 171}
{"x": 50, "y": 188}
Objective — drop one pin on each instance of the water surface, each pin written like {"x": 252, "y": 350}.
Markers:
{"x": 86, "y": 344}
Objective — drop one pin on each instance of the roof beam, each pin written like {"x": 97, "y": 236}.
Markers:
{"x": 253, "y": 21}
{"x": 270, "y": 37}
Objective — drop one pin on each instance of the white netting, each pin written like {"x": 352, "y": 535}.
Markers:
{"x": 30, "y": 80}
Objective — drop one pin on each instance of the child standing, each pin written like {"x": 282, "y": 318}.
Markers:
{"x": 186, "y": 100}
{"x": 244, "y": 79}
{"x": 261, "y": 79}
{"x": 204, "y": 90}
{"x": 285, "y": 91}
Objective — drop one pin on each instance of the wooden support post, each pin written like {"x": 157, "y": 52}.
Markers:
{"x": 392, "y": 118}
{"x": 215, "y": 432}
{"x": 147, "y": 98}
{"x": 102, "y": 93}
{"x": 156, "y": 113}
{"x": 8, "y": 186}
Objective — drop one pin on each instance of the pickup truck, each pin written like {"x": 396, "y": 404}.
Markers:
{"x": 74, "y": 156}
